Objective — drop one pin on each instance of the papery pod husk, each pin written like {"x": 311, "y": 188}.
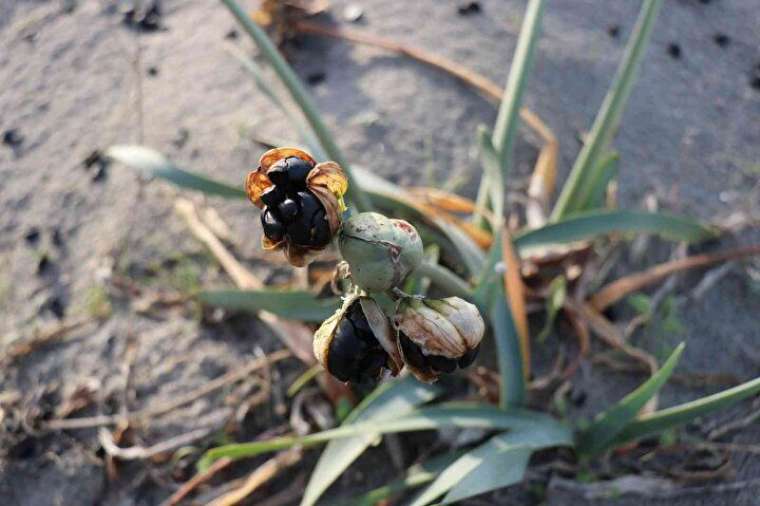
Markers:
{"x": 327, "y": 182}
{"x": 377, "y": 321}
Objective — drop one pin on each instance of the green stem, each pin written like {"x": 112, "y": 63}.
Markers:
{"x": 445, "y": 279}
{"x": 301, "y": 97}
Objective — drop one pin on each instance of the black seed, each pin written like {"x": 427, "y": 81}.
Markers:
{"x": 468, "y": 8}
{"x": 13, "y": 138}
{"x": 442, "y": 364}
{"x": 320, "y": 229}
{"x": 95, "y": 157}
{"x": 578, "y": 397}
{"x": 721, "y": 39}
{"x": 315, "y": 78}
{"x": 345, "y": 351}
{"x": 278, "y": 173}
{"x": 273, "y": 228}
{"x": 469, "y": 357}
{"x": 32, "y": 236}
{"x": 288, "y": 209}
{"x": 300, "y": 229}
{"x": 297, "y": 171}
{"x": 273, "y": 195}
{"x": 43, "y": 264}
{"x": 613, "y": 31}
{"x": 57, "y": 238}
{"x": 356, "y": 316}
{"x": 55, "y": 306}
{"x": 372, "y": 365}
{"x": 674, "y": 50}
{"x": 413, "y": 354}
{"x": 231, "y": 35}
{"x": 152, "y": 71}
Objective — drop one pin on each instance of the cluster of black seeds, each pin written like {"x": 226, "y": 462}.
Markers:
{"x": 355, "y": 354}
{"x": 438, "y": 364}
{"x": 292, "y": 211}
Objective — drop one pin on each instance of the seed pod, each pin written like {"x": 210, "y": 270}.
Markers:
{"x": 438, "y": 335}
{"x": 301, "y": 202}
{"x": 380, "y": 251}
{"x": 357, "y": 343}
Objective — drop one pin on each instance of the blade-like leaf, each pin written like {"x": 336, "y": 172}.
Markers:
{"x": 415, "y": 476}
{"x": 599, "y": 435}
{"x": 594, "y": 223}
{"x": 390, "y": 400}
{"x": 578, "y": 185}
{"x": 554, "y": 302}
{"x": 155, "y": 164}
{"x": 445, "y": 415}
{"x": 499, "y": 462}
{"x": 294, "y": 305}
{"x": 678, "y": 415}
{"x": 507, "y": 119}
{"x": 512, "y": 382}
{"x": 604, "y": 172}
{"x": 301, "y": 97}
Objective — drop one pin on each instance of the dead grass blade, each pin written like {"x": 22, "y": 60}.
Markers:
{"x": 42, "y": 338}
{"x": 144, "y": 453}
{"x": 513, "y": 285}
{"x": 447, "y": 201}
{"x": 261, "y": 475}
{"x": 624, "y": 286}
{"x": 197, "y": 480}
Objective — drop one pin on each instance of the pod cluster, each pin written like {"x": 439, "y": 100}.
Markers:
{"x": 292, "y": 211}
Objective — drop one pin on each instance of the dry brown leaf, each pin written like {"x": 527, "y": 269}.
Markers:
{"x": 624, "y": 286}
{"x": 513, "y": 285}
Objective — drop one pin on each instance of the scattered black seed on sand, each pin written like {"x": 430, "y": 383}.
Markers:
{"x": 96, "y": 159}
{"x": 467, "y": 8}
{"x": 315, "y": 78}
{"x": 613, "y": 31}
{"x": 101, "y": 174}
{"x": 43, "y": 264}
{"x": 152, "y": 71}
{"x": 56, "y": 237}
{"x": 55, "y": 306}
{"x": 144, "y": 16}
{"x": 231, "y": 35}
{"x": 754, "y": 77}
{"x": 13, "y": 138}
{"x": 722, "y": 39}
{"x": 96, "y": 156}
{"x": 32, "y": 236}
{"x": 674, "y": 50}
{"x": 183, "y": 135}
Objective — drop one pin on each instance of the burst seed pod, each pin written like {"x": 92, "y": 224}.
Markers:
{"x": 438, "y": 335}
{"x": 381, "y": 252}
{"x": 301, "y": 202}
{"x": 357, "y": 343}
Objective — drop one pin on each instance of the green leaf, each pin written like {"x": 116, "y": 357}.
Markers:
{"x": 301, "y": 97}
{"x": 507, "y": 119}
{"x": 577, "y": 189}
{"x": 415, "y": 476}
{"x": 294, "y": 305}
{"x": 493, "y": 176}
{"x": 554, "y": 302}
{"x": 499, "y": 462}
{"x": 390, "y": 400}
{"x": 154, "y": 164}
{"x": 590, "y": 224}
{"x": 445, "y": 415}
{"x": 678, "y": 415}
{"x": 512, "y": 383}
{"x": 603, "y": 173}
{"x": 601, "y": 433}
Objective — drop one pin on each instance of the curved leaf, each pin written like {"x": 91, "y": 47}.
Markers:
{"x": 294, "y": 305}
{"x": 155, "y": 164}
{"x": 600, "y": 435}
{"x": 390, "y": 400}
{"x": 499, "y": 462}
{"x": 445, "y": 415}
{"x": 590, "y": 224}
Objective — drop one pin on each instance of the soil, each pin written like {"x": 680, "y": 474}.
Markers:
{"x": 76, "y": 77}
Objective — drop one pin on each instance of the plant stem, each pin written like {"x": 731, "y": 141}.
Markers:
{"x": 301, "y": 97}
{"x": 445, "y": 279}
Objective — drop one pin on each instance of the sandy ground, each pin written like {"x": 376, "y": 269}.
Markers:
{"x": 74, "y": 78}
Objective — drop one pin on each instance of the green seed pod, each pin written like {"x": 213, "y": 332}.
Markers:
{"x": 357, "y": 343}
{"x": 438, "y": 335}
{"x": 380, "y": 251}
